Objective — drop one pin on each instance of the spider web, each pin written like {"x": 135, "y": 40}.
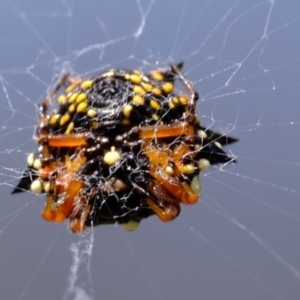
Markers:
{"x": 241, "y": 241}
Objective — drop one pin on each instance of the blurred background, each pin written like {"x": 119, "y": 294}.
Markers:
{"x": 241, "y": 241}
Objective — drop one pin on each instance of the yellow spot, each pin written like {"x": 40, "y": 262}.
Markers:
{"x": 139, "y": 100}
{"x": 157, "y": 75}
{"x": 54, "y": 119}
{"x": 64, "y": 119}
{"x": 203, "y": 164}
{"x": 127, "y": 110}
{"x": 218, "y": 145}
{"x": 168, "y": 87}
{"x": 70, "y": 128}
{"x": 62, "y": 99}
{"x": 187, "y": 169}
{"x": 111, "y": 157}
{"x": 147, "y": 86}
{"x": 82, "y": 106}
{"x": 30, "y": 160}
{"x": 131, "y": 225}
{"x": 71, "y": 87}
{"x": 202, "y": 134}
{"x": 86, "y": 84}
{"x": 171, "y": 105}
{"x": 139, "y": 90}
{"x": 126, "y": 122}
{"x": 183, "y": 99}
{"x": 155, "y": 117}
{"x": 91, "y": 113}
{"x": 46, "y": 186}
{"x": 196, "y": 184}
{"x": 175, "y": 100}
{"x": 81, "y": 97}
{"x": 197, "y": 120}
{"x": 111, "y": 73}
{"x": 197, "y": 147}
{"x": 134, "y": 78}
{"x": 154, "y": 104}
{"x": 156, "y": 91}
{"x": 36, "y": 186}
{"x": 127, "y": 76}
{"x": 71, "y": 108}
{"x": 169, "y": 170}
{"x": 37, "y": 164}
{"x": 73, "y": 97}
{"x": 95, "y": 125}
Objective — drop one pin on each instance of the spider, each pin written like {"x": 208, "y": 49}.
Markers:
{"x": 120, "y": 147}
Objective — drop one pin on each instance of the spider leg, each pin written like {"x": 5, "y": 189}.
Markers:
{"x": 160, "y": 201}
{"x": 168, "y": 176}
{"x": 79, "y": 216}
{"x": 162, "y": 131}
{"x": 167, "y": 213}
{"x": 72, "y": 140}
{"x": 68, "y": 186}
{"x": 168, "y": 208}
{"x": 44, "y": 105}
{"x": 73, "y": 82}
{"x": 180, "y": 190}
{"x": 194, "y": 96}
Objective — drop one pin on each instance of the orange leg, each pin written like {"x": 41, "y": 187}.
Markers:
{"x": 174, "y": 130}
{"x": 79, "y": 216}
{"x": 172, "y": 184}
{"x": 167, "y": 213}
{"x": 160, "y": 159}
{"x": 162, "y": 202}
{"x": 67, "y": 185}
{"x": 66, "y": 140}
{"x": 167, "y": 189}
{"x": 59, "y": 212}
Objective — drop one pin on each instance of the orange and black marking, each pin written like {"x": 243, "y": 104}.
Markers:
{"x": 119, "y": 147}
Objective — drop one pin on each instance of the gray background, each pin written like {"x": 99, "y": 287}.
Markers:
{"x": 241, "y": 241}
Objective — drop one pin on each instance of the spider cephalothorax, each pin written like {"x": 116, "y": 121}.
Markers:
{"x": 120, "y": 147}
